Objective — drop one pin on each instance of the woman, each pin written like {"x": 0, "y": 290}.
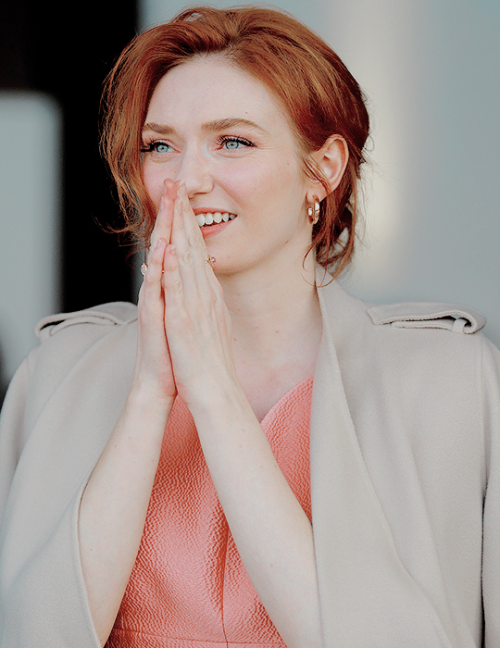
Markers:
{"x": 163, "y": 496}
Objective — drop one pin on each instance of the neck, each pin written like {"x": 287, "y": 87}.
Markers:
{"x": 275, "y": 316}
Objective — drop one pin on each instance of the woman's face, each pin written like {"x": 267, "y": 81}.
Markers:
{"x": 221, "y": 131}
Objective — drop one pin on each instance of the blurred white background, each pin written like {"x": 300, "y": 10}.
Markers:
{"x": 431, "y": 73}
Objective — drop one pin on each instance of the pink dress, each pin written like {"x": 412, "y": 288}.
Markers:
{"x": 189, "y": 588}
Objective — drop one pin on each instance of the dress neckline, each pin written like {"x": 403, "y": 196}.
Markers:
{"x": 287, "y": 395}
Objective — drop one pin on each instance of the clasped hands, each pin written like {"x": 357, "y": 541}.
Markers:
{"x": 184, "y": 324}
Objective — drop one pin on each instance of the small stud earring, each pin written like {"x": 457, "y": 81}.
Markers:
{"x": 313, "y": 211}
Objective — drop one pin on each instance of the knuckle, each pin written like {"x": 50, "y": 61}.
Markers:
{"x": 187, "y": 257}
{"x": 176, "y": 286}
{"x": 150, "y": 278}
{"x": 196, "y": 242}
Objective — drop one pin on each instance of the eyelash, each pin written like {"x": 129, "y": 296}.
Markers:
{"x": 150, "y": 146}
{"x": 223, "y": 139}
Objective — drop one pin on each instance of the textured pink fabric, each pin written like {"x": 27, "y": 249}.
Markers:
{"x": 189, "y": 587}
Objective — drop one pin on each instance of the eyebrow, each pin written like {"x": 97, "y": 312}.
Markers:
{"x": 211, "y": 126}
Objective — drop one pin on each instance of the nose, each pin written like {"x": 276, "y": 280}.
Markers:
{"x": 194, "y": 170}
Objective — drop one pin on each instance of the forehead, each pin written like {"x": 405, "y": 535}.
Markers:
{"x": 210, "y": 88}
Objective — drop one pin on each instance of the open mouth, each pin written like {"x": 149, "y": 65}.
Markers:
{"x": 213, "y": 218}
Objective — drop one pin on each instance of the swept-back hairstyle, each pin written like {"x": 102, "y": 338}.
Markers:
{"x": 308, "y": 79}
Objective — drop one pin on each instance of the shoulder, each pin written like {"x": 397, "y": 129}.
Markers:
{"x": 103, "y": 315}
{"x": 81, "y": 346}
{"x": 438, "y": 341}
{"x": 65, "y": 337}
{"x": 338, "y": 304}
{"x": 83, "y": 356}
{"x": 398, "y": 321}
{"x": 73, "y": 333}
{"x": 427, "y": 315}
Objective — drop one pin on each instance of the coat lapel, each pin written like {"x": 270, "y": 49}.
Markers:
{"x": 367, "y": 596}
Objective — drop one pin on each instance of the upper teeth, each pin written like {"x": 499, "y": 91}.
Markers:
{"x": 213, "y": 217}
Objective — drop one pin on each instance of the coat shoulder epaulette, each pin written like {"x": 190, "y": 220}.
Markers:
{"x": 451, "y": 317}
{"x": 111, "y": 314}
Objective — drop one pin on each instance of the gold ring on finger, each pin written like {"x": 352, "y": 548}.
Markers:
{"x": 211, "y": 261}
{"x": 144, "y": 269}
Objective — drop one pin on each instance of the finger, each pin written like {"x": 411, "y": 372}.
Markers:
{"x": 197, "y": 336}
{"x": 152, "y": 340}
{"x": 201, "y": 290}
{"x": 187, "y": 250}
{"x": 191, "y": 239}
{"x": 191, "y": 227}
{"x": 150, "y": 296}
{"x": 153, "y": 367}
{"x": 195, "y": 237}
{"x": 173, "y": 287}
{"x": 163, "y": 223}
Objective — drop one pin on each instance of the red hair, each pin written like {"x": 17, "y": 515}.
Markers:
{"x": 309, "y": 80}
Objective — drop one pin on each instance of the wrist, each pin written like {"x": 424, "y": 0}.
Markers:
{"x": 149, "y": 396}
{"x": 223, "y": 399}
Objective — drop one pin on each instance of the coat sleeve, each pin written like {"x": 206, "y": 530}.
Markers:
{"x": 12, "y": 427}
{"x": 491, "y": 521}
{"x": 58, "y": 413}
{"x": 43, "y": 472}
{"x": 46, "y": 603}
{"x": 42, "y": 593}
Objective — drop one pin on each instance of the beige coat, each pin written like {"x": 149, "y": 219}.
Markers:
{"x": 405, "y": 474}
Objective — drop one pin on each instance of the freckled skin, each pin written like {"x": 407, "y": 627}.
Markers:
{"x": 263, "y": 183}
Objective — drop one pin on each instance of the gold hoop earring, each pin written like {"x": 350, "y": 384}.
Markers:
{"x": 313, "y": 211}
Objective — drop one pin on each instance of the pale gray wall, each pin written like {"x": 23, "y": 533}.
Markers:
{"x": 30, "y": 127}
{"x": 431, "y": 71}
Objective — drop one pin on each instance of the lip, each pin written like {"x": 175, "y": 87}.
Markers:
{"x": 212, "y": 230}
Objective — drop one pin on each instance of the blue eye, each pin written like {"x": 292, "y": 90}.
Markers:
{"x": 161, "y": 147}
{"x": 156, "y": 147}
{"x": 234, "y": 143}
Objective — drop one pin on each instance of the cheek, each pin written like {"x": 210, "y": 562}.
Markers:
{"x": 258, "y": 182}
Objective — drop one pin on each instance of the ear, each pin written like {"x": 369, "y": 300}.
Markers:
{"x": 332, "y": 160}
